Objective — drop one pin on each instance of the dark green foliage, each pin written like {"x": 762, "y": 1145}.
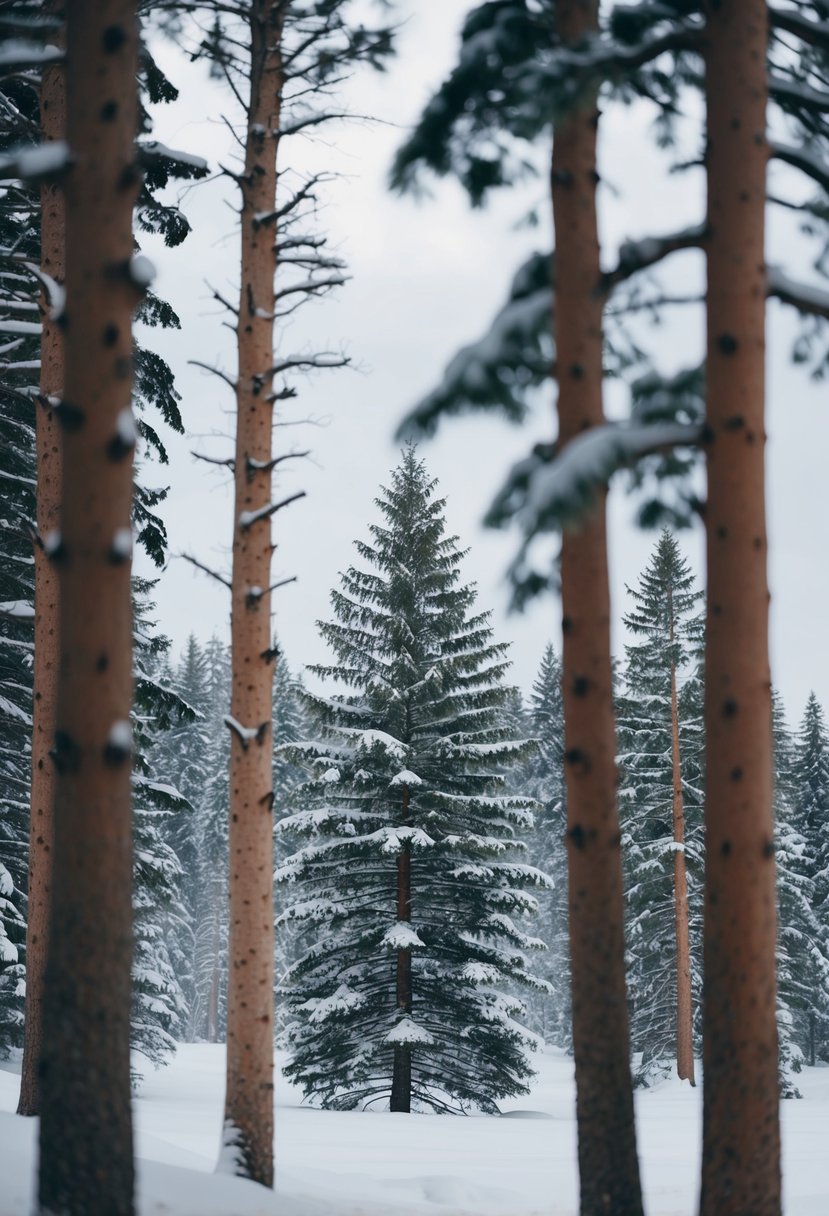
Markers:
{"x": 665, "y": 618}
{"x": 160, "y": 915}
{"x": 803, "y": 862}
{"x": 543, "y": 779}
{"x": 410, "y": 764}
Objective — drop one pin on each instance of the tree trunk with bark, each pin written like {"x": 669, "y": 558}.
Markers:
{"x": 249, "y": 1096}
{"x": 86, "y": 1160}
{"x": 401, "y": 1087}
{"x": 608, "y": 1165}
{"x": 741, "y": 1162}
{"x": 46, "y": 657}
{"x": 684, "y": 1007}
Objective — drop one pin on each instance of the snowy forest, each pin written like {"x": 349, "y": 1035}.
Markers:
{"x": 535, "y": 856}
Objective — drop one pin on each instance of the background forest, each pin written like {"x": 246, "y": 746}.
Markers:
{"x": 407, "y": 838}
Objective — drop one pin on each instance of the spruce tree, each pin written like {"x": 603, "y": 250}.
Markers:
{"x": 543, "y": 778}
{"x": 208, "y": 1014}
{"x": 412, "y": 873}
{"x": 810, "y": 791}
{"x": 661, "y": 815}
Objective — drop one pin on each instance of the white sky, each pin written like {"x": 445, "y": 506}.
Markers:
{"x": 427, "y": 278}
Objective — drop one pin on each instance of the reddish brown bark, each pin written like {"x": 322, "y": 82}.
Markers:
{"x": 401, "y": 1087}
{"x": 684, "y": 1008}
{"x": 85, "y": 1131}
{"x": 608, "y": 1166}
{"x": 42, "y": 798}
{"x": 741, "y": 1163}
{"x": 249, "y": 1096}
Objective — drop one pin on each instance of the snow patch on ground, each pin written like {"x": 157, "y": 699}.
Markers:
{"x": 359, "y": 1164}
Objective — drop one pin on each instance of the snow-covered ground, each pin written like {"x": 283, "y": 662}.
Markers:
{"x": 377, "y": 1164}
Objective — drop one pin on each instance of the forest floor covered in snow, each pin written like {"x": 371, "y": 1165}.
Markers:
{"x": 377, "y": 1164}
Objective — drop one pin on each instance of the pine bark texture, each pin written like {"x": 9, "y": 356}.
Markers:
{"x": 608, "y": 1165}
{"x": 46, "y": 657}
{"x": 249, "y": 1096}
{"x": 400, "y": 1100}
{"x": 684, "y": 1007}
{"x": 741, "y": 1150}
{"x": 86, "y": 1160}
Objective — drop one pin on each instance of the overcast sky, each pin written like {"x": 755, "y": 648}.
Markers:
{"x": 427, "y": 278}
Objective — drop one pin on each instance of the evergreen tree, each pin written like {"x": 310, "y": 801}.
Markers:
{"x": 661, "y": 813}
{"x": 160, "y": 913}
{"x": 208, "y": 1014}
{"x": 544, "y": 781}
{"x": 412, "y": 871}
{"x": 797, "y": 929}
{"x": 810, "y": 792}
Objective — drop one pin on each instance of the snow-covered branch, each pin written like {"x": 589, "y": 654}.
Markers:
{"x": 805, "y": 297}
{"x": 248, "y": 518}
{"x": 810, "y": 163}
{"x": 35, "y": 164}
{"x": 246, "y": 734}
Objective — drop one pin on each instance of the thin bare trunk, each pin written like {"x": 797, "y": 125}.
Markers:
{"x": 86, "y": 1160}
{"x": 608, "y": 1166}
{"x": 684, "y": 1009}
{"x": 741, "y": 1139}
{"x": 249, "y": 1096}
{"x": 401, "y": 1088}
{"x": 42, "y": 798}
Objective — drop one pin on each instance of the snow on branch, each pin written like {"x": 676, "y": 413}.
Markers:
{"x": 816, "y": 33}
{"x": 551, "y": 488}
{"x": 246, "y": 734}
{"x": 35, "y": 164}
{"x": 810, "y": 163}
{"x": 248, "y": 518}
{"x": 20, "y": 53}
{"x": 322, "y": 360}
{"x": 407, "y": 1031}
{"x": 151, "y": 150}
{"x": 255, "y": 594}
{"x": 55, "y": 292}
{"x": 17, "y": 610}
{"x": 805, "y": 297}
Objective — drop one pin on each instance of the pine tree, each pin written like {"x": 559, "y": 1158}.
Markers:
{"x": 208, "y": 1015}
{"x": 810, "y": 793}
{"x": 412, "y": 874}
{"x": 798, "y": 929}
{"x": 160, "y": 913}
{"x": 543, "y": 779}
{"x": 661, "y": 813}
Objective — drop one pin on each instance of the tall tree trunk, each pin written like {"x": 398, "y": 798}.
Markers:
{"x": 401, "y": 1087}
{"x": 608, "y": 1166}
{"x": 85, "y": 1132}
{"x": 42, "y": 798}
{"x": 741, "y": 1152}
{"x": 249, "y": 1096}
{"x": 684, "y": 1008}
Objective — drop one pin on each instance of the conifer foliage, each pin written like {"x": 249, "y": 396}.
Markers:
{"x": 411, "y": 871}
{"x": 661, "y": 811}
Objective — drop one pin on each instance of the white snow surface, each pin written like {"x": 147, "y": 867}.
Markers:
{"x": 378, "y": 1164}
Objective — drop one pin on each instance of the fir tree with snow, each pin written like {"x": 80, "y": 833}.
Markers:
{"x": 543, "y": 778}
{"x": 661, "y": 811}
{"x": 160, "y": 916}
{"x": 412, "y": 872}
{"x": 810, "y": 792}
